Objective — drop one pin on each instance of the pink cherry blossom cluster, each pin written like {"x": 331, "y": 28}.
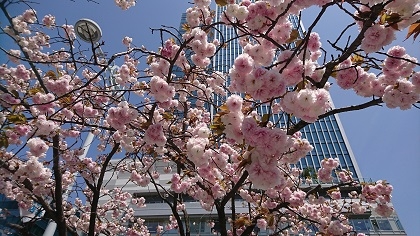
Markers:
{"x": 335, "y": 194}
{"x": 234, "y": 12}
{"x": 31, "y": 41}
{"x": 154, "y": 135}
{"x": 140, "y": 179}
{"x": 293, "y": 68}
{"x": 403, "y": 95}
{"x": 257, "y": 15}
{"x": 178, "y": 184}
{"x": 45, "y": 103}
{"x": 299, "y": 149}
{"x": 376, "y": 37}
{"x": 21, "y": 22}
{"x": 199, "y": 13}
{"x": 233, "y": 120}
{"x": 398, "y": 89}
{"x": 358, "y": 208}
{"x": 18, "y": 131}
{"x": 37, "y": 147}
{"x": 90, "y": 169}
{"x": 128, "y": 139}
{"x": 125, "y": 4}
{"x": 121, "y": 115}
{"x": 327, "y": 166}
{"x": 85, "y": 111}
{"x": 263, "y": 171}
{"x": 36, "y": 172}
{"x": 260, "y": 83}
{"x": 160, "y": 67}
{"x": 281, "y": 31}
{"x": 139, "y": 202}
{"x": 127, "y": 41}
{"x": 216, "y": 81}
{"x": 297, "y": 198}
{"x": 314, "y": 43}
{"x": 17, "y": 76}
{"x": 49, "y": 20}
{"x": 407, "y": 10}
{"x": 196, "y": 146}
{"x": 14, "y": 55}
{"x": 200, "y": 46}
{"x": 262, "y": 224}
{"x": 379, "y": 193}
{"x": 124, "y": 75}
{"x": 172, "y": 224}
{"x": 59, "y": 86}
{"x": 345, "y": 176}
{"x": 262, "y": 53}
{"x": 70, "y": 34}
{"x": 7, "y": 100}
{"x": 339, "y": 227}
{"x": 43, "y": 126}
{"x": 268, "y": 142}
{"x": 170, "y": 49}
{"x": 307, "y": 104}
{"x": 385, "y": 210}
{"x": 161, "y": 90}
{"x": 394, "y": 85}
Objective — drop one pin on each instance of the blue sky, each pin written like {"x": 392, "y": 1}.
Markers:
{"x": 385, "y": 141}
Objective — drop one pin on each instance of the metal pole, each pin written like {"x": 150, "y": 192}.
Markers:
{"x": 88, "y": 31}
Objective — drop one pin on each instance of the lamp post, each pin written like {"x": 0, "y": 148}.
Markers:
{"x": 88, "y": 31}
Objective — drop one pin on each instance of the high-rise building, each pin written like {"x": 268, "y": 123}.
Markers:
{"x": 12, "y": 220}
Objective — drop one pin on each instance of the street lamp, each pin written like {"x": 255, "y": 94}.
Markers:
{"x": 88, "y": 30}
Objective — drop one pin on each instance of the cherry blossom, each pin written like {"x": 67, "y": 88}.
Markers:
{"x": 183, "y": 127}
{"x": 119, "y": 116}
{"x": 37, "y": 147}
{"x": 125, "y": 4}
{"x": 155, "y": 135}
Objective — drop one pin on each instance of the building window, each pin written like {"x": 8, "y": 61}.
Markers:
{"x": 381, "y": 225}
{"x": 361, "y": 225}
{"x": 152, "y": 226}
{"x": 197, "y": 227}
{"x": 384, "y": 225}
{"x": 398, "y": 223}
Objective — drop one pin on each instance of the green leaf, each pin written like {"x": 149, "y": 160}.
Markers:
{"x": 168, "y": 116}
{"x": 16, "y": 118}
{"x": 294, "y": 35}
{"x": 186, "y": 27}
{"x": 3, "y": 141}
{"x": 51, "y": 74}
{"x": 221, "y": 2}
{"x": 35, "y": 90}
{"x": 217, "y": 128}
{"x": 265, "y": 119}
